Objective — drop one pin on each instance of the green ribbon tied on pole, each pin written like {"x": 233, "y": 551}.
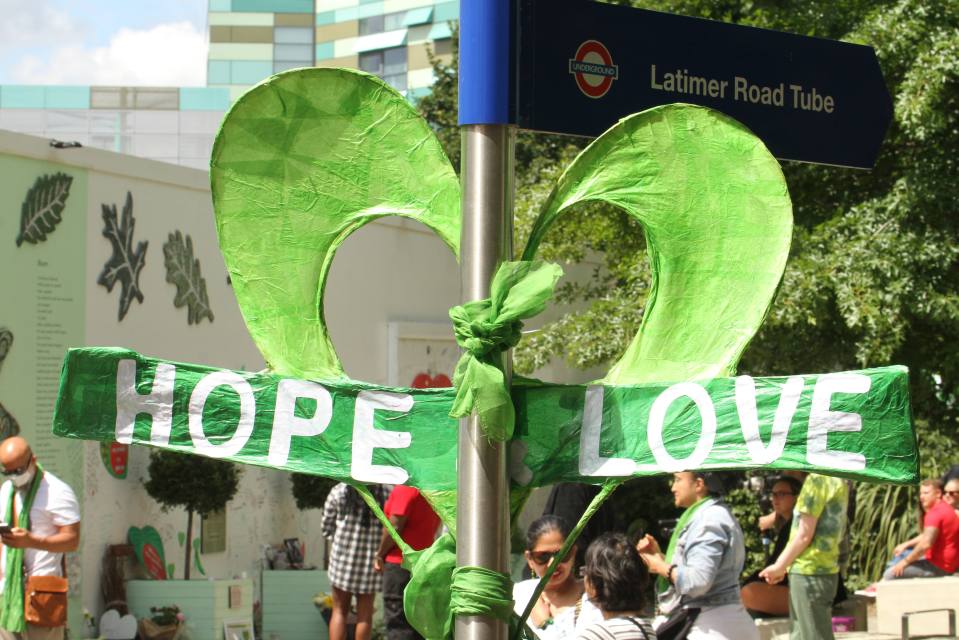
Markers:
{"x": 486, "y": 328}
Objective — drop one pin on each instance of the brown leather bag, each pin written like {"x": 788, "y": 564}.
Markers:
{"x": 45, "y": 601}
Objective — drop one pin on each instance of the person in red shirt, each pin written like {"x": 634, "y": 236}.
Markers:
{"x": 935, "y": 551}
{"x": 416, "y": 522}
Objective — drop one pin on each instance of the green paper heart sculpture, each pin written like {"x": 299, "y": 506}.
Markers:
{"x": 309, "y": 156}
{"x": 148, "y": 547}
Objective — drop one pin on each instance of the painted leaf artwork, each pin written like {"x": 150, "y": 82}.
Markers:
{"x": 126, "y": 263}
{"x": 183, "y": 270}
{"x": 8, "y": 424}
{"x": 42, "y": 209}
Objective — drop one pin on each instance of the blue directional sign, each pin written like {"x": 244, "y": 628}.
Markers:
{"x": 580, "y": 66}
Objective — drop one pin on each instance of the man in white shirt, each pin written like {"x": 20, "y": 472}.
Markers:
{"x": 54, "y": 529}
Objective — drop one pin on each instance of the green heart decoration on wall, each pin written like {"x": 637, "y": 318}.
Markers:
{"x": 148, "y": 547}
{"x": 309, "y": 156}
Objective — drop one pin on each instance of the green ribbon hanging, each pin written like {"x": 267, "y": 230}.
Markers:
{"x": 662, "y": 584}
{"x": 486, "y": 328}
{"x": 11, "y": 611}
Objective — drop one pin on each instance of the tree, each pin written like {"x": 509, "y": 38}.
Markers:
{"x": 873, "y": 275}
{"x": 310, "y": 491}
{"x": 199, "y": 485}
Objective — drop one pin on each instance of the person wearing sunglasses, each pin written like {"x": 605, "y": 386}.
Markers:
{"x": 41, "y": 523}
{"x": 563, "y": 608}
{"x": 951, "y": 494}
{"x": 758, "y": 596}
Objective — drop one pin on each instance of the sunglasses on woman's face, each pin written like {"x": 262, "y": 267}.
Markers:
{"x": 544, "y": 557}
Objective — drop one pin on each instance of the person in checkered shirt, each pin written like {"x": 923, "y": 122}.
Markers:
{"x": 355, "y": 533}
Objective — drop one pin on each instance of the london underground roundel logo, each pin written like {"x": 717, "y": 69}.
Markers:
{"x": 593, "y": 68}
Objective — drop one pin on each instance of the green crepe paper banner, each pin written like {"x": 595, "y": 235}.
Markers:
{"x": 718, "y": 221}
{"x": 855, "y": 424}
{"x": 301, "y": 161}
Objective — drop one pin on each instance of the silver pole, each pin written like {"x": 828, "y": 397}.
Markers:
{"x": 482, "y": 502}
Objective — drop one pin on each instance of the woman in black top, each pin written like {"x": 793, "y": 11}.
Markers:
{"x": 758, "y": 596}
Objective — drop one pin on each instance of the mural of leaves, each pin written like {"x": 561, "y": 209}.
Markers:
{"x": 183, "y": 270}
{"x": 8, "y": 424}
{"x": 125, "y": 264}
{"x": 43, "y": 206}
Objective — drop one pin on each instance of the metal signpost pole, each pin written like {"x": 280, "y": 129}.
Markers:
{"x": 482, "y": 517}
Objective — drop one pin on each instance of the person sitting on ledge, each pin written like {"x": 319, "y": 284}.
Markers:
{"x": 935, "y": 551}
{"x": 758, "y": 596}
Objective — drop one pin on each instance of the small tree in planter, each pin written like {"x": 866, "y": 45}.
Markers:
{"x": 199, "y": 485}
{"x": 310, "y": 491}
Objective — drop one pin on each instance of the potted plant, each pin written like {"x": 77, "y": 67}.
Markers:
{"x": 164, "y": 623}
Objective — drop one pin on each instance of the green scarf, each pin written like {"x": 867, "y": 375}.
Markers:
{"x": 662, "y": 584}
{"x": 11, "y": 610}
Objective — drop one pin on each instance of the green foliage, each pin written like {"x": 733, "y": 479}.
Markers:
{"x": 310, "y": 491}
{"x": 198, "y": 484}
{"x": 640, "y": 505}
{"x": 745, "y": 506}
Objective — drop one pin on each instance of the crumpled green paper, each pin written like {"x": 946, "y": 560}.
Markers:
{"x": 718, "y": 221}
{"x": 301, "y": 161}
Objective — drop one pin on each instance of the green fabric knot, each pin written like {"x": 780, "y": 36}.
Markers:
{"x": 486, "y": 328}
{"x": 481, "y": 592}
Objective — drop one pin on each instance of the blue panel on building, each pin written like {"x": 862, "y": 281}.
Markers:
{"x": 418, "y": 16}
{"x": 324, "y": 51}
{"x": 325, "y": 17}
{"x": 218, "y": 72}
{"x": 14, "y": 96}
{"x": 370, "y": 9}
{"x": 274, "y": 6}
{"x": 440, "y": 31}
{"x": 250, "y": 71}
{"x": 67, "y": 98}
{"x": 220, "y": 5}
{"x": 342, "y": 15}
{"x": 447, "y": 11}
{"x": 204, "y": 99}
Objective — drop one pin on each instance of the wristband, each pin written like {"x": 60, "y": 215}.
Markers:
{"x": 669, "y": 573}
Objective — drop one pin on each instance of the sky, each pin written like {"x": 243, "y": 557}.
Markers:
{"x": 103, "y": 42}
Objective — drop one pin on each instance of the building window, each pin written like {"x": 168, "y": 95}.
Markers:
{"x": 373, "y": 24}
{"x": 389, "y": 64}
{"x": 381, "y": 23}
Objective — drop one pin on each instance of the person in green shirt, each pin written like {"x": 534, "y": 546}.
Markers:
{"x": 812, "y": 556}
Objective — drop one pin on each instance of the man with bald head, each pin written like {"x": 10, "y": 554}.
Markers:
{"x": 44, "y": 519}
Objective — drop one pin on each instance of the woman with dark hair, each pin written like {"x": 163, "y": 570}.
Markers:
{"x": 616, "y": 581}
{"x": 563, "y": 607}
{"x": 356, "y": 535}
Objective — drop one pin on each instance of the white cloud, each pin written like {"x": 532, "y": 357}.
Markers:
{"x": 172, "y": 54}
{"x": 33, "y": 23}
